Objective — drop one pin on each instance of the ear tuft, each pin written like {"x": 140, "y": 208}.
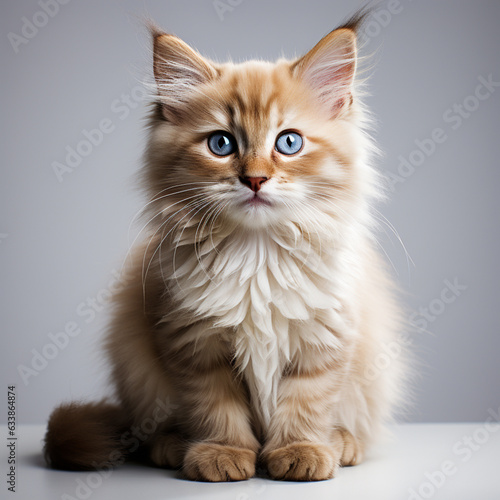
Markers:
{"x": 329, "y": 69}
{"x": 178, "y": 71}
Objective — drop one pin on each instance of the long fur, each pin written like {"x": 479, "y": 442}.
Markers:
{"x": 256, "y": 322}
{"x": 85, "y": 436}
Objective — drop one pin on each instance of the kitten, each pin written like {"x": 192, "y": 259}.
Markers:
{"x": 257, "y": 302}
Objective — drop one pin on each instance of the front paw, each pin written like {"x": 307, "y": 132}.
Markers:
{"x": 302, "y": 461}
{"x": 215, "y": 462}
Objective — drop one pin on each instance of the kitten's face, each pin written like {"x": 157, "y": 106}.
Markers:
{"x": 255, "y": 143}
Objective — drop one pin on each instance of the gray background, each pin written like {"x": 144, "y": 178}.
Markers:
{"x": 60, "y": 241}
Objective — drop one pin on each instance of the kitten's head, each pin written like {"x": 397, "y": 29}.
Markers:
{"x": 258, "y": 144}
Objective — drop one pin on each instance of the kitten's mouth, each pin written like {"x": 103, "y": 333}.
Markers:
{"x": 257, "y": 201}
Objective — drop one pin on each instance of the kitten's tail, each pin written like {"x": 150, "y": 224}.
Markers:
{"x": 86, "y": 436}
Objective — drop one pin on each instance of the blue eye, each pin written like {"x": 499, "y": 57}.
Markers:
{"x": 289, "y": 143}
{"x": 222, "y": 143}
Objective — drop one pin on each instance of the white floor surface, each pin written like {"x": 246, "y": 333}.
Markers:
{"x": 422, "y": 461}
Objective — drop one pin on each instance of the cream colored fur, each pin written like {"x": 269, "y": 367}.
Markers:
{"x": 257, "y": 321}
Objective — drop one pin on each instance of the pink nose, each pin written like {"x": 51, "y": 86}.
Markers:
{"x": 254, "y": 183}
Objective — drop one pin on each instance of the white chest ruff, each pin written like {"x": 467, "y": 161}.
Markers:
{"x": 268, "y": 298}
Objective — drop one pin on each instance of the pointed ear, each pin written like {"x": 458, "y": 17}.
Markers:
{"x": 329, "y": 69}
{"x": 178, "y": 70}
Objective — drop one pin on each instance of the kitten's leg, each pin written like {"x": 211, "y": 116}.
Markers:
{"x": 352, "y": 449}
{"x": 168, "y": 450}
{"x": 216, "y": 415}
{"x": 226, "y": 449}
{"x": 301, "y": 443}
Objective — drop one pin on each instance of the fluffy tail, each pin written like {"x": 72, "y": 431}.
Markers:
{"x": 85, "y": 436}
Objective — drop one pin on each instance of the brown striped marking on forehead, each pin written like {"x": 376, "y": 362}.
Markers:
{"x": 251, "y": 94}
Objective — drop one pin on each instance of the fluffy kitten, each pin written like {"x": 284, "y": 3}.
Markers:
{"x": 257, "y": 305}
